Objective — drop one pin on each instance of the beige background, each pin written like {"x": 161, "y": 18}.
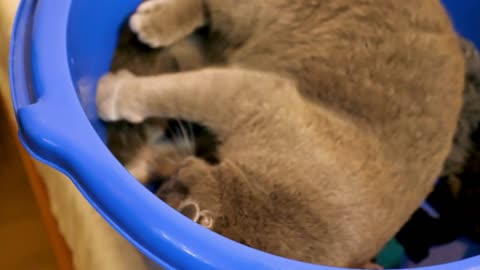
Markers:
{"x": 94, "y": 244}
{"x": 7, "y": 12}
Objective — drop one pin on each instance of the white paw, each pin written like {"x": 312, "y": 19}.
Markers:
{"x": 151, "y": 5}
{"x": 110, "y": 97}
{"x": 151, "y": 22}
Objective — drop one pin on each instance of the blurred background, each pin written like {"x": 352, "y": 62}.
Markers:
{"x": 45, "y": 223}
{"x": 25, "y": 243}
{"x": 24, "y": 240}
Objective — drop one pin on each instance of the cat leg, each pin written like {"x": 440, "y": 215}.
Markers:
{"x": 160, "y": 23}
{"x": 223, "y": 99}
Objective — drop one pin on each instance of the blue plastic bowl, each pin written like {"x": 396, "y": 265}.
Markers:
{"x": 58, "y": 51}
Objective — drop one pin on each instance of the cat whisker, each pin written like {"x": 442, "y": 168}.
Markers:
{"x": 192, "y": 139}
{"x": 175, "y": 136}
{"x": 182, "y": 140}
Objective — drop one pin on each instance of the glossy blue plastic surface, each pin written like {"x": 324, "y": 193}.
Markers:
{"x": 58, "y": 51}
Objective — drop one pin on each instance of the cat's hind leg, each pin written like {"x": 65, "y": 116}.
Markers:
{"x": 160, "y": 23}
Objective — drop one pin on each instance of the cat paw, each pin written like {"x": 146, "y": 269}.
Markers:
{"x": 193, "y": 192}
{"x": 111, "y": 99}
{"x": 160, "y": 23}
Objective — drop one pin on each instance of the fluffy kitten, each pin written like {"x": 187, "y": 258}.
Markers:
{"x": 331, "y": 114}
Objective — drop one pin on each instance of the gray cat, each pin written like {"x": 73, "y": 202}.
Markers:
{"x": 334, "y": 117}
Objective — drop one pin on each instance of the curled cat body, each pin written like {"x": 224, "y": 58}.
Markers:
{"x": 334, "y": 117}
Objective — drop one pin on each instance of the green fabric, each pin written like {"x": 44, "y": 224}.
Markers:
{"x": 391, "y": 255}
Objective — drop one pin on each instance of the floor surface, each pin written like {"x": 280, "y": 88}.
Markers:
{"x": 23, "y": 240}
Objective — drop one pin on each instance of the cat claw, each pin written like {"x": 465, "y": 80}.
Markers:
{"x": 190, "y": 209}
{"x": 206, "y": 219}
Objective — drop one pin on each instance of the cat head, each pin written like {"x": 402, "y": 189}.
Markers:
{"x": 154, "y": 149}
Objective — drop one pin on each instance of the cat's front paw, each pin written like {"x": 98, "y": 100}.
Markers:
{"x": 112, "y": 98}
{"x": 175, "y": 194}
{"x": 160, "y": 23}
{"x": 193, "y": 192}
